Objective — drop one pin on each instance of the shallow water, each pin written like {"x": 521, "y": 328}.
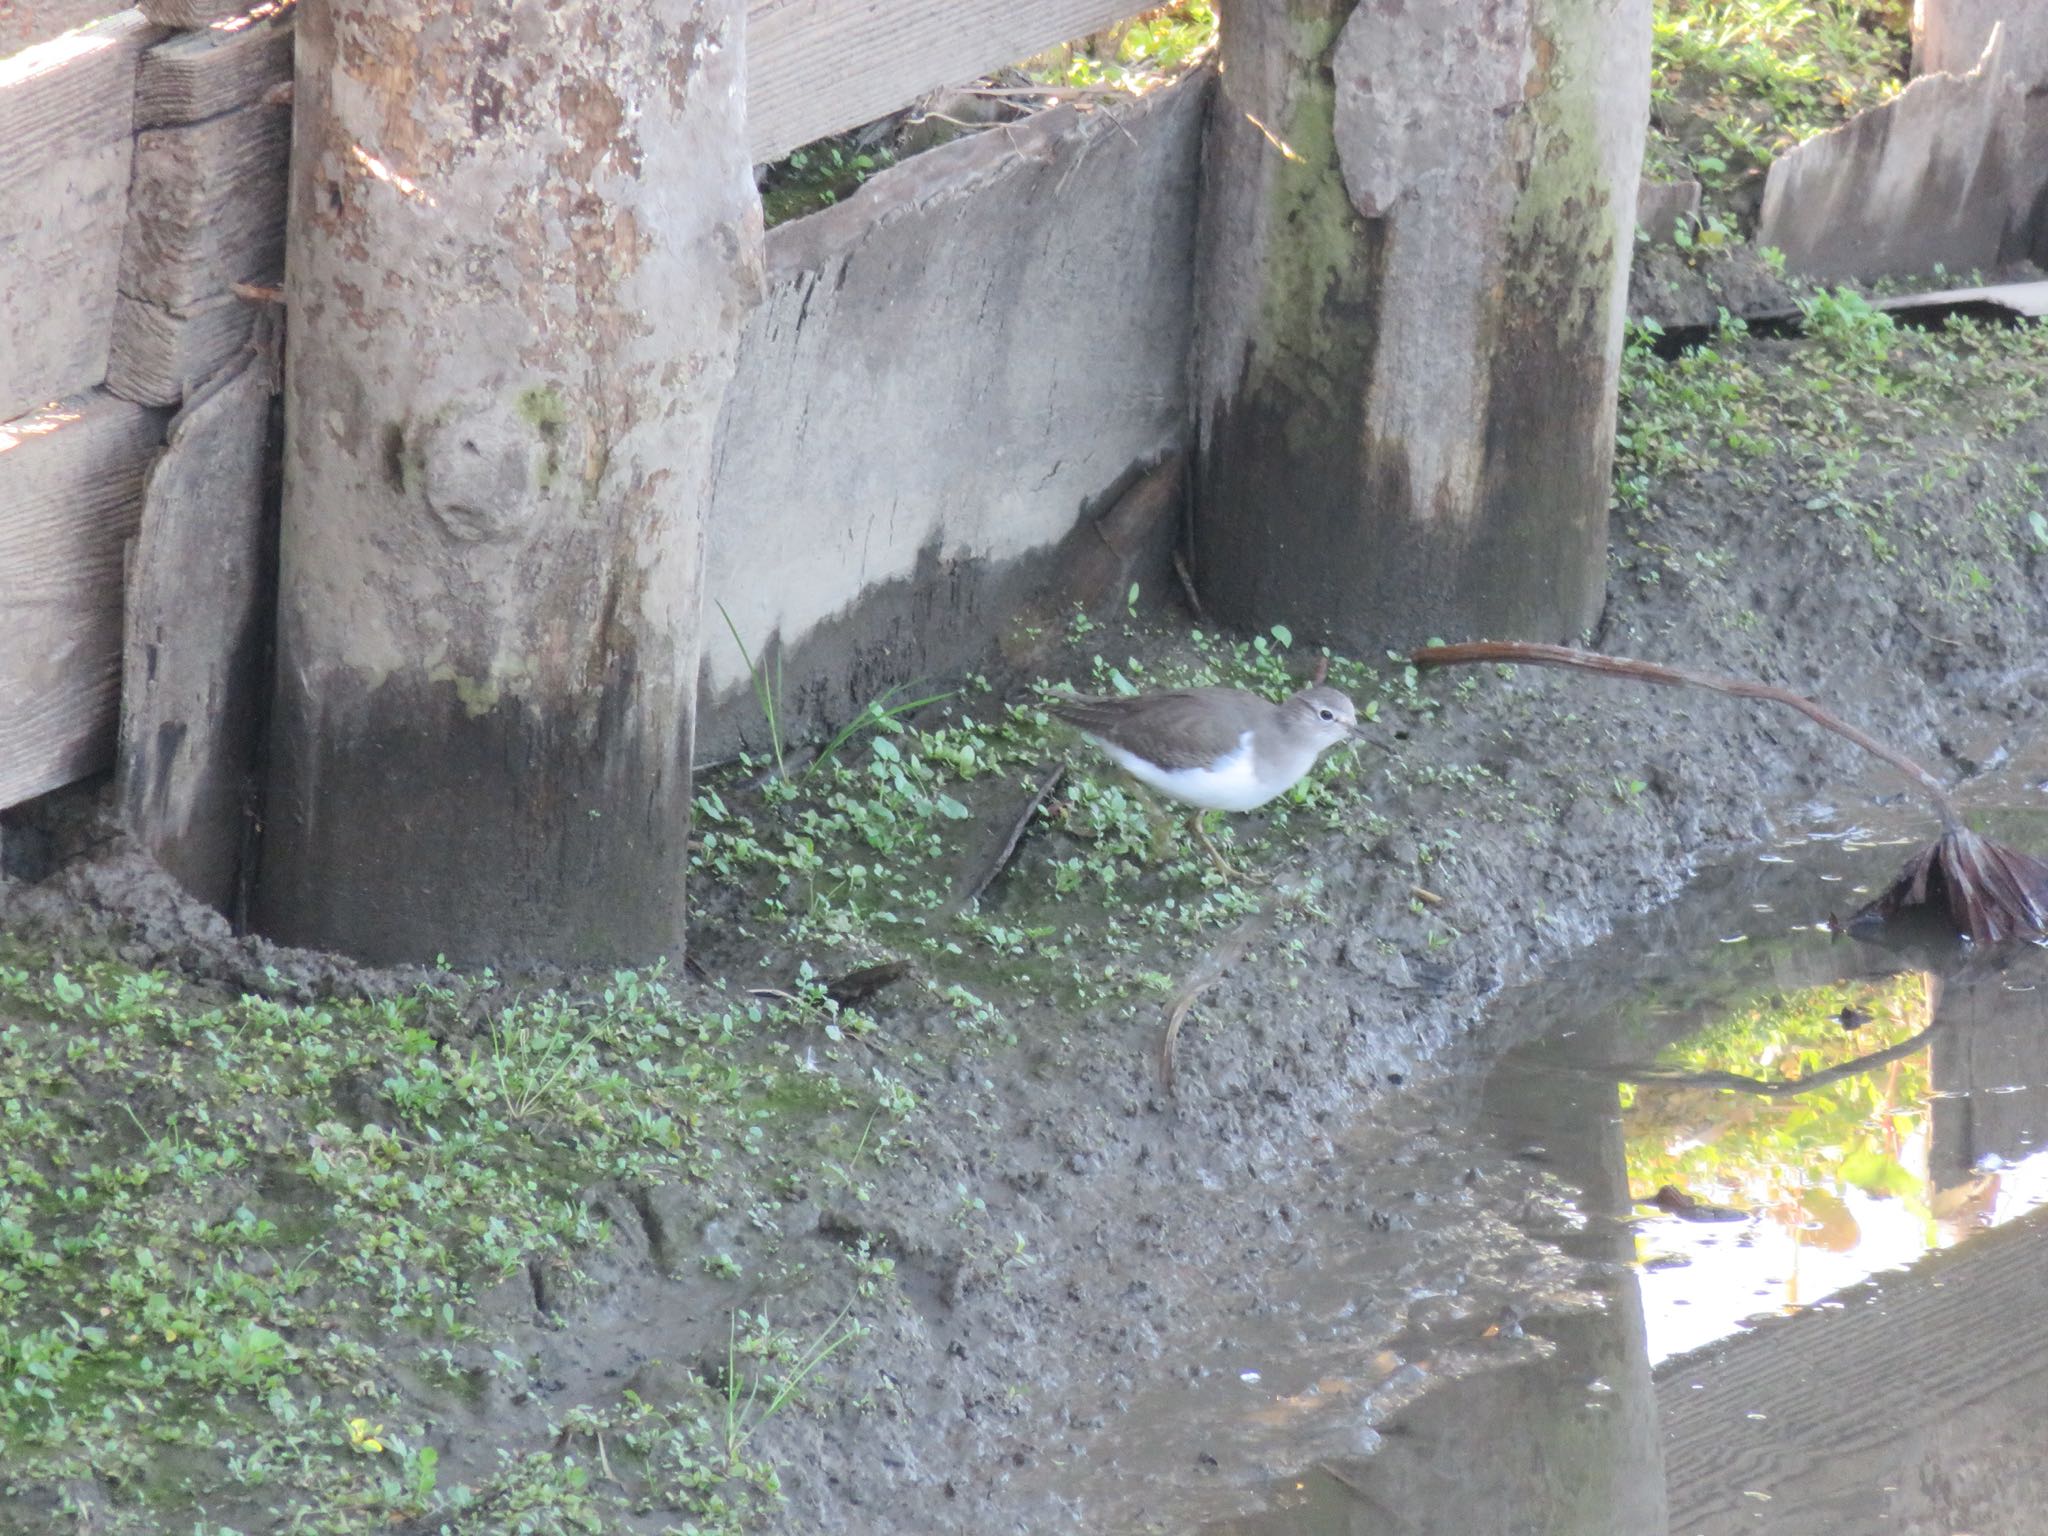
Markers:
{"x": 1833, "y": 1320}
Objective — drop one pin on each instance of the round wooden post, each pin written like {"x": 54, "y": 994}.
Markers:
{"x": 523, "y": 240}
{"x": 1417, "y": 221}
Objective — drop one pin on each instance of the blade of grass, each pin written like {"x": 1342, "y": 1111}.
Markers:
{"x": 767, "y": 695}
{"x": 874, "y": 715}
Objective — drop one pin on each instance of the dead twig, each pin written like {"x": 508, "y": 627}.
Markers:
{"x": 984, "y": 874}
{"x": 1049, "y": 92}
{"x": 1930, "y": 634}
{"x": 1187, "y": 587}
{"x": 1221, "y": 959}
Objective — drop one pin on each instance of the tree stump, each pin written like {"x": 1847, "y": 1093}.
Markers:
{"x": 523, "y": 240}
{"x": 1417, "y": 220}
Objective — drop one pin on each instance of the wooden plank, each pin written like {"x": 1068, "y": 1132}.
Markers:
{"x": 71, "y": 480}
{"x": 206, "y": 208}
{"x": 60, "y": 244}
{"x": 158, "y": 354}
{"x": 2022, "y": 300}
{"x": 192, "y": 655}
{"x": 817, "y": 67}
{"x": 195, "y": 13}
{"x": 24, "y": 23}
{"x": 1835, "y": 1419}
{"x": 1926, "y": 181}
{"x": 65, "y": 147}
{"x": 197, "y": 75}
{"x": 68, "y": 96}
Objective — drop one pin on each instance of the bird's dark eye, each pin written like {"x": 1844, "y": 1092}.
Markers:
{"x": 1327, "y": 714}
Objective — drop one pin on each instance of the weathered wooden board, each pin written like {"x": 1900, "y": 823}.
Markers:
{"x": 71, "y": 479}
{"x": 197, "y": 75}
{"x": 1854, "y": 1416}
{"x": 158, "y": 354}
{"x": 195, "y": 13}
{"x": 24, "y": 23}
{"x": 816, "y": 67}
{"x": 65, "y": 148}
{"x": 192, "y": 656}
{"x": 206, "y": 207}
{"x": 72, "y": 94}
{"x": 1928, "y": 180}
{"x": 2027, "y": 301}
{"x": 60, "y": 244}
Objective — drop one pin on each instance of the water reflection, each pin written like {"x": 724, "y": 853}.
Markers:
{"x": 1792, "y": 1151}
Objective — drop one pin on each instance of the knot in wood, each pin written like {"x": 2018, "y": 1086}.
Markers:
{"x": 481, "y": 470}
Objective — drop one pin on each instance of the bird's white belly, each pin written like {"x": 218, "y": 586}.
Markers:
{"x": 1228, "y": 784}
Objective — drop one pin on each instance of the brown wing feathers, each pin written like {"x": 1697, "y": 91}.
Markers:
{"x": 1187, "y": 728}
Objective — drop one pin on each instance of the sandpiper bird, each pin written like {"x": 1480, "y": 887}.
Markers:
{"x": 1214, "y": 749}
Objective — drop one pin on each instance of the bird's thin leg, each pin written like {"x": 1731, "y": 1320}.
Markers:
{"x": 1228, "y": 870}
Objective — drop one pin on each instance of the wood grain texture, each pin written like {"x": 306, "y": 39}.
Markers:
{"x": 194, "y": 13}
{"x": 24, "y": 23}
{"x": 1844, "y": 1418}
{"x": 197, "y": 75}
{"x": 157, "y": 354}
{"x": 65, "y": 146}
{"x": 67, "y": 97}
{"x": 60, "y": 242}
{"x": 71, "y": 479}
{"x": 192, "y": 655}
{"x": 206, "y": 207}
{"x": 816, "y": 67}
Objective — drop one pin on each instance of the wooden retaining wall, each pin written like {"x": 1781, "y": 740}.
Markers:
{"x": 143, "y": 162}
{"x": 141, "y": 180}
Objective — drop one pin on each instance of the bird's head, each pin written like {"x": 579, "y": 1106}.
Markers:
{"x": 1325, "y": 714}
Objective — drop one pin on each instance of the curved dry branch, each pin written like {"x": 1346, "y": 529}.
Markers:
{"x": 1529, "y": 654}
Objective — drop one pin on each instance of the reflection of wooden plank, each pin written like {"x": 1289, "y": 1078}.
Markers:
{"x": 73, "y": 476}
{"x": 816, "y": 67}
{"x": 65, "y": 148}
{"x": 202, "y": 74}
{"x": 192, "y": 656}
{"x": 1921, "y": 1392}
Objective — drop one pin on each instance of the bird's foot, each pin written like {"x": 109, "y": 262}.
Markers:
{"x": 1228, "y": 870}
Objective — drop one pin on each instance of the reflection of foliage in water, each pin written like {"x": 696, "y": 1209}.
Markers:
{"x": 1794, "y": 1156}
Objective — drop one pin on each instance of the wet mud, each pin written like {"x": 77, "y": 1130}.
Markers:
{"x": 1316, "y": 1175}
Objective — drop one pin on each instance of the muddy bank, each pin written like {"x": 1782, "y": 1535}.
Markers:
{"x": 1049, "y": 1236}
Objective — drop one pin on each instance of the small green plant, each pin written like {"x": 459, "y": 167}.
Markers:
{"x": 818, "y": 175}
{"x": 879, "y": 713}
{"x": 1137, "y": 55}
{"x": 746, "y": 1406}
{"x": 1734, "y": 82}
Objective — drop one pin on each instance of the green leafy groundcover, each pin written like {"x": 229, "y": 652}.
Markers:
{"x": 221, "y": 1283}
